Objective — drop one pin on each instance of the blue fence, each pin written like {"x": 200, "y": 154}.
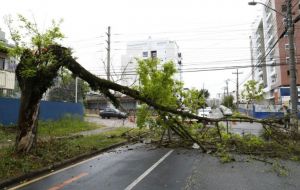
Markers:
{"x": 264, "y": 111}
{"x": 9, "y": 110}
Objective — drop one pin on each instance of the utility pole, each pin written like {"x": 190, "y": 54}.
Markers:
{"x": 292, "y": 66}
{"x": 226, "y": 81}
{"x": 108, "y": 53}
{"x": 237, "y": 87}
{"x": 76, "y": 89}
{"x": 180, "y": 66}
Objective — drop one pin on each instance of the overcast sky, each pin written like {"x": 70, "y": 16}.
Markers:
{"x": 209, "y": 33}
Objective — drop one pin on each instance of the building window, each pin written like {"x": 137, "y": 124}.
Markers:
{"x": 286, "y": 46}
{"x": 274, "y": 79}
{"x": 145, "y": 54}
{"x": 288, "y": 60}
{"x": 2, "y": 63}
{"x": 153, "y": 54}
{"x": 284, "y": 20}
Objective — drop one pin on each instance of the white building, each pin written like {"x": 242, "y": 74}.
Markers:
{"x": 7, "y": 69}
{"x": 271, "y": 59}
{"x": 164, "y": 50}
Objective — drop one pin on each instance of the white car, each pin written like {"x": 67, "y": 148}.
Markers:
{"x": 204, "y": 112}
{"x": 226, "y": 111}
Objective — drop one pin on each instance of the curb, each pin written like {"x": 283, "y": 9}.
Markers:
{"x": 12, "y": 181}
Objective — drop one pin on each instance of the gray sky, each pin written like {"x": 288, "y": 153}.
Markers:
{"x": 209, "y": 33}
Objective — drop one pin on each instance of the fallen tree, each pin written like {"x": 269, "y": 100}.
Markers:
{"x": 39, "y": 66}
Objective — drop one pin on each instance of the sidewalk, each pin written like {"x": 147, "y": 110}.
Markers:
{"x": 95, "y": 131}
{"x": 93, "y": 118}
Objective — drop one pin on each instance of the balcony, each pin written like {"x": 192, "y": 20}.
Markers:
{"x": 7, "y": 80}
{"x": 273, "y": 80}
{"x": 270, "y": 41}
{"x": 273, "y": 72}
{"x": 259, "y": 55}
{"x": 259, "y": 46}
{"x": 272, "y": 61}
{"x": 260, "y": 72}
{"x": 258, "y": 39}
{"x": 268, "y": 18}
{"x": 269, "y": 29}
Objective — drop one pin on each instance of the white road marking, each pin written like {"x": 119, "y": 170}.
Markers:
{"x": 135, "y": 182}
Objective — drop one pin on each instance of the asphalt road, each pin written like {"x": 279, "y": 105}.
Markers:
{"x": 143, "y": 167}
{"x": 238, "y": 127}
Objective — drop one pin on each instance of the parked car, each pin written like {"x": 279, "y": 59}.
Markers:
{"x": 204, "y": 112}
{"x": 112, "y": 112}
{"x": 225, "y": 111}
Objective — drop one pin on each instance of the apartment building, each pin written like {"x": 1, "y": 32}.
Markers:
{"x": 164, "y": 50}
{"x": 271, "y": 59}
{"x": 7, "y": 69}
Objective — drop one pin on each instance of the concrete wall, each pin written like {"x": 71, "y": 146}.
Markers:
{"x": 9, "y": 110}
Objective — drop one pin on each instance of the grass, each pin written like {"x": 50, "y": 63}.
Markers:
{"x": 65, "y": 126}
{"x": 7, "y": 135}
{"x": 53, "y": 151}
{"x": 62, "y": 127}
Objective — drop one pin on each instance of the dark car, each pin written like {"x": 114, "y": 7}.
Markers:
{"x": 112, "y": 112}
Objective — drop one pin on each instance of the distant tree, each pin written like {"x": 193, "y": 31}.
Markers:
{"x": 195, "y": 99}
{"x": 252, "y": 92}
{"x": 64, "y": 90}
{"x": 228, "y": 101}
{"x": 204, "y": 93}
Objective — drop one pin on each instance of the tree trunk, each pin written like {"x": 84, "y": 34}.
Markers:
{"x": 27, "y": 123}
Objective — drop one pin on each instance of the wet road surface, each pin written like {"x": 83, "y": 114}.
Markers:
{"x": 143, "y": 167}
{"x": 238, "y": 127}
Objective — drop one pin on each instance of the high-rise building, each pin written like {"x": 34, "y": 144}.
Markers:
{"x": 271, "y": 62}
{"x": 164, "y": 50}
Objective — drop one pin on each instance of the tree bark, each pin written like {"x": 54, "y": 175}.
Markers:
{"x": 32, "y": 89}
{"x": 27, "y": 123}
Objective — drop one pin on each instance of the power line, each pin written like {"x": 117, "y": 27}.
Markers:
{"x": 206, "y": 69}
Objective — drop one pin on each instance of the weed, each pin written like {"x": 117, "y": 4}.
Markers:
{"x": 280, "y": 169}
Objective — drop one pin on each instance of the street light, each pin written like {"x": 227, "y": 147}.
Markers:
{"x": 292, "y": 66}
{"x": 253, "y": 3}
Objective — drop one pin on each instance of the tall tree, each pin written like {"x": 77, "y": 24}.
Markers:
{"x": 195, "y": 99}
{"x": 228, "y": 101}
{"x": 34, "y": 73}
